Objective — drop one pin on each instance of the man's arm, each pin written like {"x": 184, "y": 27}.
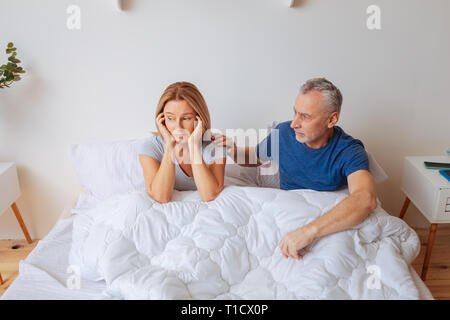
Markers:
{"x": 348, "y": 213}
{"x": 243, "y": 156}
{"x": 353, "y": 209}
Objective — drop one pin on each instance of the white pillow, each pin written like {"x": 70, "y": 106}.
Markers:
{"x": 105, "y": 169}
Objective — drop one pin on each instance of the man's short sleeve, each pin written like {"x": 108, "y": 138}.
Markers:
{"x": 263, "y": 149}
{"x": 355, "y": 158}
{"x": 152, "y": 147}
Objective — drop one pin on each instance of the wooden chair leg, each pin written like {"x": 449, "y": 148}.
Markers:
{"x": 1, "y": 279}
{"x": 404, "y": 208}
{"x": 426, "y": 262}
{"x": 21, "y": 223}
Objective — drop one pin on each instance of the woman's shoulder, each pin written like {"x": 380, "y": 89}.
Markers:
{"x": 152, "y": 146}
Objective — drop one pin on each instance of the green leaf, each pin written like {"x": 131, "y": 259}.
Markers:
{"x": 10, "y": 72}
{"x": 9, "y": 76}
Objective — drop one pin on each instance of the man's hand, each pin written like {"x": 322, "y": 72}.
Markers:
{"x": 224, "y": 141}
{"x": 296, "y": 240}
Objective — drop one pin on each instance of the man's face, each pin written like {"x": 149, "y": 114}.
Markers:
{"x": 311, "y": 119}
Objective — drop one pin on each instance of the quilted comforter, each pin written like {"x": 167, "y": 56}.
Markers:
{"x": 229, "y": 248}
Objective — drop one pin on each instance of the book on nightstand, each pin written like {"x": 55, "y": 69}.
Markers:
{"x": 445, "y": 173}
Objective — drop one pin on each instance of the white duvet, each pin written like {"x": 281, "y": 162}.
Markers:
{"x": 229, "y": 248}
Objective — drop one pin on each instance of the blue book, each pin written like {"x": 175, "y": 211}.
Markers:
{"x": 445, "y": 173}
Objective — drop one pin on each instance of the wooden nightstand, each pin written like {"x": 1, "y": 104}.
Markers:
{"x": 430, "y": 193}
{"x": 10, "y": 192}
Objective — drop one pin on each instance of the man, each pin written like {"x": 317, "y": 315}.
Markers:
{"x": 314, "y": 153}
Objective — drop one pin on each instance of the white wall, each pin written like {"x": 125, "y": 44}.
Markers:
{"x": 248, "y": 57}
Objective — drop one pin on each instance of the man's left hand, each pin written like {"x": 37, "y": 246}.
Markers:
{"x": 296, "y": 240}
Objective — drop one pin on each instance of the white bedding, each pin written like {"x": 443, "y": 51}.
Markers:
{"x": 224, "y": 249}
{"x": 43, "y": 274}
{"x": 228, "y": 248}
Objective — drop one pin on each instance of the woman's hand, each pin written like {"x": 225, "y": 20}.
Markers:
{"x": 196, "y": 137}
{"x": 169, "y": 140}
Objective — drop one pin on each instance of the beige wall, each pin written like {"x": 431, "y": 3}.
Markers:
{"x": 248, "y": 57}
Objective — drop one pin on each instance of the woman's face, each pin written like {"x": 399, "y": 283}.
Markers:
{"x": 180, "y": 119}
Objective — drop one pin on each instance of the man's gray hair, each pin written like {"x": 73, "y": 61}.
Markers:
{"x": 331, "y": 94}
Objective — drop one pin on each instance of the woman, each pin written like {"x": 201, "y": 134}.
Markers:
{"x": 177, "y": 157}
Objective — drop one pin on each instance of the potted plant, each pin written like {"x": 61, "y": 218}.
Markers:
{"x": 10, "y": 72}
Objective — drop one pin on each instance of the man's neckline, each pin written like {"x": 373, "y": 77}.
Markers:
{"x": 324, "y": 146}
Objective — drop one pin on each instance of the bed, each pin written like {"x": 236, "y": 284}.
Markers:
{"x": 244, "y": 264}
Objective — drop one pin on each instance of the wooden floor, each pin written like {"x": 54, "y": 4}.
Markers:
{"x": 11, "y": 252}
{"x": 438, "y": 277}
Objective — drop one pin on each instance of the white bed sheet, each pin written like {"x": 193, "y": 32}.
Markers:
{"x": 44, "y": 275}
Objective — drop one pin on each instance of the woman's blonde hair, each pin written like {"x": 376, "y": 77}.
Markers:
{"x": 185, "y": 91}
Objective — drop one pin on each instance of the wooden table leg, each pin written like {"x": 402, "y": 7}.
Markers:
{"x": 21, "y": 223}
{"x": 404, "y": 208}
{"x": 426, "y": 262}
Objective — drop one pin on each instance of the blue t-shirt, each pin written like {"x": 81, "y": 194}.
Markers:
{"x": 323, "y": 169}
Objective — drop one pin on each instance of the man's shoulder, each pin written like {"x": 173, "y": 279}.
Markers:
{"x": 348, "y": 141}
{"x": 284, "y": 126}
{"x": 351, "y": 153}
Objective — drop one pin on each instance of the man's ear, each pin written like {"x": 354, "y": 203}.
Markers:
{"x": 333, "y": 119}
